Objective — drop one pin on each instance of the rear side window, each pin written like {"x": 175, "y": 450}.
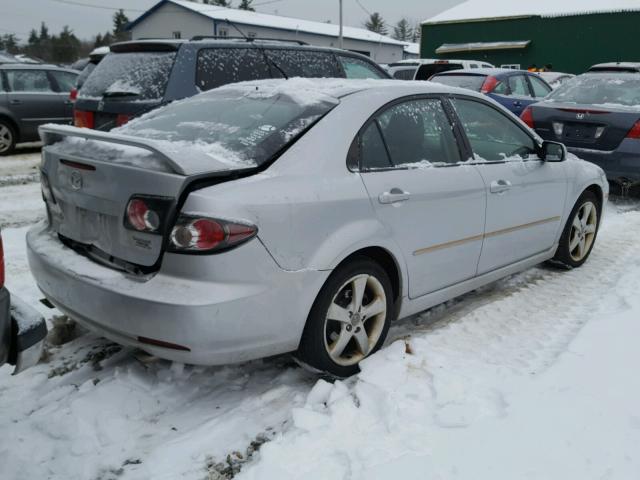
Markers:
{"x": 66, "y": 81}
{"x": 493, "y": 136}
{"x": 471, "y": 82}
{"x": 308, "y": 64}
{"x": 357, "y": 68}
{"x": 139, "y": 75}
{"x": 372, "y": 149}
{"x": 221, "y": 66}
{"x": 405, "y": 74}
{"x": 425, "y": 72}
{"x": 539, "y": 88}
{"x": 28, "y": 81}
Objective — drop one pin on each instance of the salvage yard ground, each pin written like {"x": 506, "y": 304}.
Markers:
{"x": 533, "y": 377}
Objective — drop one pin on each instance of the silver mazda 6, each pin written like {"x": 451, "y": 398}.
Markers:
{"x": 300, "y": 216}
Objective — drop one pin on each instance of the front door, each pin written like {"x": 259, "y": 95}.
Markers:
{"x": 525, "y": 195}
{"x": 432, "y": 205}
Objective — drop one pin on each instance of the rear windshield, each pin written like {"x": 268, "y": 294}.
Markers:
{"x": 404, "y": 74}
{"x": 425, "y": 72}
{"x": 86, "y": 71}
{"x": 137, "y": 75}
{"x": 471, "y": 82}
{"x": 600, "y": 89}
{"x": 239, "y": 126}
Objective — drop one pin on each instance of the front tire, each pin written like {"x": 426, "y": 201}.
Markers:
{"x": 7, "y": 138}
{"x": 580, "y": 232}
{"x": 349, "y": 319}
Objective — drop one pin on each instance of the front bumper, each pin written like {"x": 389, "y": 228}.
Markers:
{"x": 220, "y": 309}
{"x": 22, "y": 333}
{"x": 621, "y": 165}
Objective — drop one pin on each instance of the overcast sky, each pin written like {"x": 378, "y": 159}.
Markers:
{"x": 88, "y": 17}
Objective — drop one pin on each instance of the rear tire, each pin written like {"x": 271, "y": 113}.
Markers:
{"x": 349, "y": 319}
{"x": 7, "y": 138}
{"x": 580, "y": 232}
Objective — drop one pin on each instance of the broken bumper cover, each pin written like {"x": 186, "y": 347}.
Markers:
{"x": 22, "y": 333}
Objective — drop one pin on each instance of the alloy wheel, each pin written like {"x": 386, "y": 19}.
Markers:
{"x": 583, "y": 231}
{"x": 355, "y": 319}
{"x": 6, "y": 138}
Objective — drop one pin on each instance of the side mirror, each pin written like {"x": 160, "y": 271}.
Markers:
{"x": 553, "y": 152}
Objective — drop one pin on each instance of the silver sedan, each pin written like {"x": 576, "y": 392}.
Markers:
{"x": 300, "y": 216}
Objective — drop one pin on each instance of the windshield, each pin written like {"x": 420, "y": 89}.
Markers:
{"x": 600, "y": 89}
{"x": 240, "y": 126}
{"x": 471, "y": 82}
{"x": 138, "y": 75}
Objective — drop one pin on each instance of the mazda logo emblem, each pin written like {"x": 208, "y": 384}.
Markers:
{"x": 75, "y": 180}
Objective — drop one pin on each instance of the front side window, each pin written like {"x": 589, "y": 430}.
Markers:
{"x": 358, "y": 69}
{"x": 518, "y": 86}
{"x": 415, "y": 133}
{"x": 28, "y": 81}
{"x": 492, "y": 135}
{"x": 540, "y": 90}
{"x": 221, "y": 66}
{"x": 304, "y": 63}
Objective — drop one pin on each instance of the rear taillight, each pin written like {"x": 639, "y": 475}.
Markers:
{"x": 83, "y": 119}
{"x": 193, "y": 234}
{"x": 635, "y": 131}
{"x": 527, "y": 117}
{"x": 489, "y": 84}
{"x": 73, "y": 94}
{"x": 121, "y": 119}
{"x": 147, "y": 214}
{"x": 1, "y": 264}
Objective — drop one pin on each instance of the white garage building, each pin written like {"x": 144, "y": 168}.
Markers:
{"x": 185, "y": 19}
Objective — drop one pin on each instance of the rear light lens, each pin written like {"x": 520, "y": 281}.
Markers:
{"x": 489, "y": 84}
{"x": 208, "y": 235}
{"x": 121, "y": 119}
{"x": 83, "y": 119}
{"x": 1, "y": 264}
{"x": 147, "y": 214}
{"x": 73, "y": 94}
{"x": 527, "y": 117}
{"x": 635, "y": 131}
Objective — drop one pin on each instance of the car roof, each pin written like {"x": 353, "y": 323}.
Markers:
{"x": 481, "y": 71}
{"x": 616, "y": 66}
{"x": 35, "y": 66}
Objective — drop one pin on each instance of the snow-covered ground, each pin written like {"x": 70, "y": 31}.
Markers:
{"x": 533, "y": 377}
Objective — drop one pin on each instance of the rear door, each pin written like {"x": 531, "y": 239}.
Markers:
{"x": 432, "y": 205}
{"x": 520, "y": 94}
{"x": 64, "y": 82}
{"x": 525, "y": 195}
{"x": 33, "y": 100}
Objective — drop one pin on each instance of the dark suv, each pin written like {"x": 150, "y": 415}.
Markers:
{"x": 139, "y": 76}
{"x": 31, "y": 95}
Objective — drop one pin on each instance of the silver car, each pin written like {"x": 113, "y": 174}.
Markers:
{"x": 300, "y": 216}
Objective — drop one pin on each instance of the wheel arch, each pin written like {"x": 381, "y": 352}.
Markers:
{"x": 4, "y": 116}
{"x": 597, "y": 191}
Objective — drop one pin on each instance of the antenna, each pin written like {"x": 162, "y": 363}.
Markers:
{"x": 261, "y": 48}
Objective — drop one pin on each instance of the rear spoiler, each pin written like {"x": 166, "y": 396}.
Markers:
{"x": 51, "y": 134}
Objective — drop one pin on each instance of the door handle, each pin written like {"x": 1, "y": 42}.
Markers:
{"x": 395, "y": 195}
{"x": 517, "y": 103}
{"x": 15, "y": 102}
{"x": 500, "y": 186}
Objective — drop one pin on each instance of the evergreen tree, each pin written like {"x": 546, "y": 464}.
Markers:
{"x": 219, "y": 3}
{"x": 246, "y": 5}
{"x": 403, "y": 31}
{"x": 9, "y": 43}
{"x": 376, "y": 24}
{"x": 98, "y": 41}
{"x": 65, "y": 48}
{"x": 120, "y": 21}
{"x": 416, "y": 33}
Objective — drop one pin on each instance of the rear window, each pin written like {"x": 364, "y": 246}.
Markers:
{"x": 139, "y": 75}
{"x": 221, "y": 66}
{"x": 404, "y": 74}
{"x": 300, "y": 63}
{"x": 600, "y": 89}
{"x": 238, "y": 126}
{"x": 425, "y": 72}
{"x": 470, "y": 82}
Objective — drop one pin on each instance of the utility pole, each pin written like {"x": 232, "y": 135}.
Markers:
{"x": 341, "y": 40}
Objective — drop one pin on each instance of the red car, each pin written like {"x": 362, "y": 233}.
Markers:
{"x": 22, "y": 328}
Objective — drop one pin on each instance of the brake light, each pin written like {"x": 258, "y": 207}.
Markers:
{"x": 1, "y": 264}
{"x": 146, "y": 213}
{"x": 208, "y": 235}
{"x": 73, "y": 94}
{"x": 83, "y": 119}
{"x": 527, "y": 117}
{"x": 121, "y": 119}
{"x": 635, "y": 131}
{"x": 489, "y": 84}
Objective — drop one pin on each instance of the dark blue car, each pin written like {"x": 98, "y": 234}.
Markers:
{"x": 514, "y": 89}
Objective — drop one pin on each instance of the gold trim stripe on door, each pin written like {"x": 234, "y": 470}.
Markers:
{"x": 495, "y": 233}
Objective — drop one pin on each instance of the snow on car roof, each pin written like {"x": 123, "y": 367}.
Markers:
{"x": 245, "y": 17}
{"x": 483, "y": 10}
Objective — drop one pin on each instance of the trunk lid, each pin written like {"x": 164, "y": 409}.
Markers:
{"x": 583, "y": 126}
